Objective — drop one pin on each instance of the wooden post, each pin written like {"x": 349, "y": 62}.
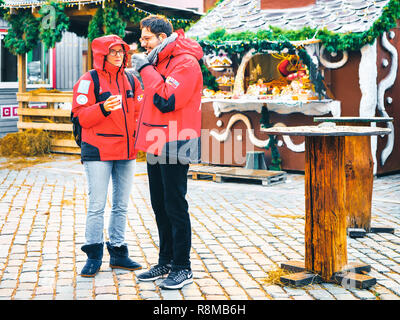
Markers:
{"x": 21, "y": 59}
{"x": 325, "y": 223}
{"x": 21, "y": 72}
{"x": 89, "y": 56}
{"x": 359, "y": 168}
{"x": 359, "y": 182}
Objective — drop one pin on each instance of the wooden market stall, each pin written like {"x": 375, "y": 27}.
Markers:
{"x": 350, "y": 53}
{"x": 88, "y": 19}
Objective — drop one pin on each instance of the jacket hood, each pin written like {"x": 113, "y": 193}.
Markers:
{"x": 180, "y": 46}
{"x": 101, "y": 47}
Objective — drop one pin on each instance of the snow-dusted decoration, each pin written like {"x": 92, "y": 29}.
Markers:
{"x": 385, "y": 63}
{"x": 384, "y": 85}
{"x": 368, "y": 73}
{"x": 238, "y": 87}
{"x": 221, "y": 137}
{"x": 301, "y": 147}
{"x": 309, "y": 108}
{"x": 313, "y": 52}
{"x": 332, "y": 65}
{"x": 340, "y": 16}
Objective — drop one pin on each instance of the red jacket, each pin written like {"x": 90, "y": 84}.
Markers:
{"x": 170, "y": 118}
{"x": 107, "y": 135}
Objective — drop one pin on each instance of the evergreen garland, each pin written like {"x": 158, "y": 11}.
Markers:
{"x": 113, "y": 24}
{"x": 95, "y": 29}
{"x": 3, "y": 11}
{"x": 130, "y": 14}
{"x": 209, "y": 80}
{"x": 23, "y": 35}
{"x": 25, "y": 30}
{"x": 49, "y": 35}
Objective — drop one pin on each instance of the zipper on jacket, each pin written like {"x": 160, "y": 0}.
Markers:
{"x": 139, "y": 121}
{"x": 109, "y": 135}
{"x": 155, "y": 125}
{"x": 123, "y": 109}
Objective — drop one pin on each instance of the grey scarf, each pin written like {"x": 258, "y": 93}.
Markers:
{"x": 153, "y": 55}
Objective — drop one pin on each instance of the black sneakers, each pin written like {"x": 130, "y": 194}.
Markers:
{"x": 177, "y": 279}
{"x": 155, "y": 272}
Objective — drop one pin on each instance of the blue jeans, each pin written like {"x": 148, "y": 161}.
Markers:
{"x": 98, "y": 175}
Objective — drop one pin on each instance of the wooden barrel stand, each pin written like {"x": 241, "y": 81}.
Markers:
{"x": 326, "y": 205}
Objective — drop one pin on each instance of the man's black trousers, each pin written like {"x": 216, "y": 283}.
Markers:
{"x": 168, "y": 187}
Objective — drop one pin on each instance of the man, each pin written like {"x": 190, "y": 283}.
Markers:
{"x": 169, "y": 131}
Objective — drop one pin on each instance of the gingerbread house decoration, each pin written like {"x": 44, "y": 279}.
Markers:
{"x": 361, "y": 82}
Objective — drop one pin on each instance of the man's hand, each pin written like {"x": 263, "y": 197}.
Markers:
{"x": 139, "y": 61}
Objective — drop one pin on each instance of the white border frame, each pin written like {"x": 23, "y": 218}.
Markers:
{"x": 14, "y": 85}
{"x": 7, "y": 85}
{"x": 41, "y": 85}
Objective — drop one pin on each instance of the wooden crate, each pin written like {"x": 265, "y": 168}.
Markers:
{"x": 55, "y": 121}
{"x": 228, "y": 174}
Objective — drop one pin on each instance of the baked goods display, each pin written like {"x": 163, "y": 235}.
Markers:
{"x": 208, "y": 93}
{"x": 293, "y": 83}
{"x": 219, "y": 62}
{"x": 282, "y": 89}
{"x": 225, "y": 80}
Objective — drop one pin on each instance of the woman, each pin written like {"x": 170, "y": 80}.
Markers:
{"x": 106, "y": 103}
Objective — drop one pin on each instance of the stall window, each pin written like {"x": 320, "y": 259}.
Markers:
{"x": 39, "y": 67}
{"x": 8, "y": 66}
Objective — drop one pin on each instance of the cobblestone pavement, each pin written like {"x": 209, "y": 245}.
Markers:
{"x": 240, "y": 233}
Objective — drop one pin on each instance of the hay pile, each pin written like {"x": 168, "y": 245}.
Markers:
{"x": 28, "y": 143}
{"x": 274, "y": 277}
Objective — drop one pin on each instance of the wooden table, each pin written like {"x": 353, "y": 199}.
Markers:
{"x": 359, "y": 176}
{"x": 325, "y": 219}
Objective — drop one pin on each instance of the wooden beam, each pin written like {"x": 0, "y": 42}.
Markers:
{"x": 79, "y": 12}
{"x": 301, "y": 279}
{"x": 45, "y": 97}
{"x": 68, "y": 143}
{"x": 44, "y": 112}
{"x": 35, "y": 12}
{"x": 21, "y": 64}
{"x": 67, "y": 150}
{"x": 45, "y": 126}
{"x": 89, "y": 56}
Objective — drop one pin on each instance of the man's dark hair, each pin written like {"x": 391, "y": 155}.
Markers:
{"x": 157, "y": 24}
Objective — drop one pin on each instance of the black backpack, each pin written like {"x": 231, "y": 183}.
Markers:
{"x": 76, "y": 127}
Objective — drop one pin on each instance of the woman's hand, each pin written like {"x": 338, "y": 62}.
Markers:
{"x": 112, "y": 103}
